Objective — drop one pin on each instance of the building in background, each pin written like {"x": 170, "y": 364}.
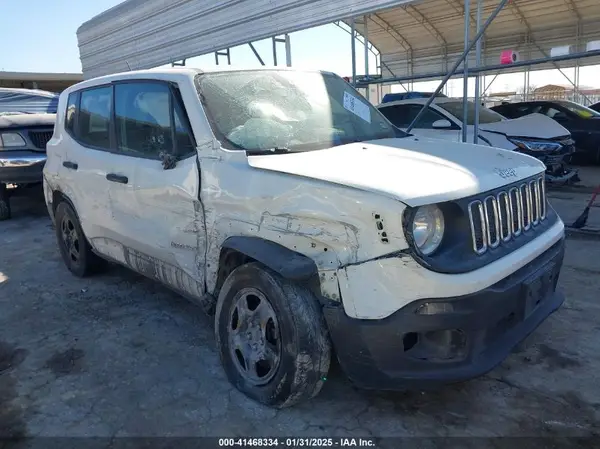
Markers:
{"x": 566, "y": 92}
{"x": 52, "y": 82}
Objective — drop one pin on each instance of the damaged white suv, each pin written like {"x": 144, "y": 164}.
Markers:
{"x": 289, "y": 207}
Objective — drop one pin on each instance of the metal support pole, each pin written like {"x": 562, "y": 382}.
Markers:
{"x": 466, "y": 71}
{"x": 274, "y": 51}
{"x": 477, "y": 77}
{"x": 458, "y": 62}
{"x": 288, "y": 51}
{"x": 256, "y": 53}
{"x": 366, "y": 38}
{"x": 353, "y": 50}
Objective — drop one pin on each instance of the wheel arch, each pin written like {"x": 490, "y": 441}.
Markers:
{"x": 290, "y": 264}
{"x": 57, "y": 197}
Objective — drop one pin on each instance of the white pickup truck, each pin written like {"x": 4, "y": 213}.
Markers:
{"x": 289, "y": 207}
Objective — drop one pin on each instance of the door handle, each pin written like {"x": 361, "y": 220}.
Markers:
{"x": 70, "y": 165}
{"x": 117, "y": 178}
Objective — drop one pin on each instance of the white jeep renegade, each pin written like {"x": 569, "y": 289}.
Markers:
{"x": 289, "y": 207}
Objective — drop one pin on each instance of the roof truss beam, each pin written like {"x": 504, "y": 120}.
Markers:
{"x": 425, "y": 22}
{"x": 573, "y": 7}
{"x": 388, "y": 28}
{"x": 459, "y": 7}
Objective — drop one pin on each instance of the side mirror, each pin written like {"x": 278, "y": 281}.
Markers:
{"x": 442, "y": 124}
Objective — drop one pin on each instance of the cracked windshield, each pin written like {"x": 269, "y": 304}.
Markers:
{"x": 285, "y": 110}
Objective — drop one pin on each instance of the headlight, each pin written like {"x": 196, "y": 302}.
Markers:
{"x": 10, "y": 140}
{"x": 536, "y": 145}
{"x": 428, "y": 229}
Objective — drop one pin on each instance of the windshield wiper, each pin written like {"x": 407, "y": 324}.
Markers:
{"x": 274, "y": 150}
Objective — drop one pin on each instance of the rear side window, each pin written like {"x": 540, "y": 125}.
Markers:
{"x": 94, "y": 117}
{"x": 403, "y": 115}
{"x": 72, "y": 104}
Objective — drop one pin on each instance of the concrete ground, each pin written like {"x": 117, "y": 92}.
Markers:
{"x": 119, "y": 355}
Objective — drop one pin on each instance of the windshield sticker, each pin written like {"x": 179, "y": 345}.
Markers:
{"x": 357, "y": 107}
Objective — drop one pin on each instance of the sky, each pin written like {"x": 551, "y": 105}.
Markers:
{"x": 48, "y": 43}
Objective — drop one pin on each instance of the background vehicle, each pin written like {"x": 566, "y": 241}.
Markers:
{"x": 269, "y": 196}
{"x": 27, "y": 101}
{"x": 583, "y": 123}
{"x": 388, "y": 98}
{"x": 26, "y": 123}
{"x": 536, "y": 136}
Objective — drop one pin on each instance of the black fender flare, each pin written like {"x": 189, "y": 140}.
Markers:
{"x": 284, "y": 261}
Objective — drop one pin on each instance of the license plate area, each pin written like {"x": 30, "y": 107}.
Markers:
{"x": 536, "y": 289}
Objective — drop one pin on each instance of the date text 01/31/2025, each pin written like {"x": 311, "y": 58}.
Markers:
{"x": 297, "y": 442}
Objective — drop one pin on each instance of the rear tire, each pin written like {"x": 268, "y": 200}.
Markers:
{"x": 74, "y": 248}
{"x": 272, "y": 337}
{"x": 5, "y": 213}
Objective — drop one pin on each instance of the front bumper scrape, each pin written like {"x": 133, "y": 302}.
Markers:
{"x": 410, "y": 350}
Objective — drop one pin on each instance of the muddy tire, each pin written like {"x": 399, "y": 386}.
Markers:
{"x": 271, "y": 336}
{"x": 4, "y": 203}
{"x": 74, "y": 247}
{"x": 5, "y": 213}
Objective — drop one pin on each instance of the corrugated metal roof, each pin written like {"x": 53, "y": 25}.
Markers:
{"x": 413, "y": 36}
{"x": 140, "y": 34}
{"x": 428, "y": 35}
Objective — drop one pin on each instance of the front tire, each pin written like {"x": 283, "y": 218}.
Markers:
{"x": 74, "y": 247}
{"x": 5, "y": 213}
{"x": 271, "y": 336}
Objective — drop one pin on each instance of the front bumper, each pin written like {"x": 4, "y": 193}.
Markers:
{"x": 410, "y": 350}
{"x": 21, "y": 167}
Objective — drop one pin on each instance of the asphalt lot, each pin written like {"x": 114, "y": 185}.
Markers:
{"x": 119, "y": 355}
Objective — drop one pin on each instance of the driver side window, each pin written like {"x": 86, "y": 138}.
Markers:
{"x": 555, "y": 113}
{"x": 147, "y": 119}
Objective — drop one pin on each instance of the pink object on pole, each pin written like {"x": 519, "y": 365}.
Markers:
{"x": 509, "y": 57}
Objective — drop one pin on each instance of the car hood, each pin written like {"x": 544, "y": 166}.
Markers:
{"x": 23, "y": 120}
{"x": 533, "y": 125}
{"x": 416, "y": 171}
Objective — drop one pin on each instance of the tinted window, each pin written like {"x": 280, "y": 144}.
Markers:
{"x": 555, "y": 113}
{"x": 144, "y": 120}
{"x": 94, "y": 117}
{"x": 456, "y": 109}
{"x": 580, "y": 110}
{"x": 403, "y": 115}
{"x": 398, "y": 115}
{"x": 71, "y": 112}
{"x": 427, "y": 119}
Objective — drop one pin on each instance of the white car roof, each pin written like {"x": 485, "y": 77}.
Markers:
{"x": 175, "y": 74}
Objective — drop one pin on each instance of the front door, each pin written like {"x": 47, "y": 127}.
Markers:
{"x": 158, "y": 211}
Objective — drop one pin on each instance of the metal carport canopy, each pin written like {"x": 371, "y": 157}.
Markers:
{"x": 414, "y": 37}
{"x": 426, "y": 36}
{"x": 140, "y": 34}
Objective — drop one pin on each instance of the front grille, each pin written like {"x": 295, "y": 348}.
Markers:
{"x": 40, "y": 138}
{"x": 499, "y": 218}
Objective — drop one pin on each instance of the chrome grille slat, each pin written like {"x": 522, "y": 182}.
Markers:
{"x": 499, "y": 219}
{"x": 493, "y": 225}
{"x": 516, "y": 206}
{"x": 505, "y": 216}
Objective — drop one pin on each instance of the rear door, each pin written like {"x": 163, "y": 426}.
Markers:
{"x": 87, "y": 158}
{"x": 158, "y": 212}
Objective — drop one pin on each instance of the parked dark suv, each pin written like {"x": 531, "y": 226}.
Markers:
{"x": 583, "y": 123}
{"x": 26, "y": 124}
